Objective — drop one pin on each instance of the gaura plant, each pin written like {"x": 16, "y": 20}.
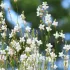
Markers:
{"x": 24, "y": 53}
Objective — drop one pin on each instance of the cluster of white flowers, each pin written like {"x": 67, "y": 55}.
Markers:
{"x": 25, "y": 49}
{"x": 41, "y": 8}
{"x": 14, "y": 31}
{"x": 3, "y": 26}
{"x": 66, "y": 47}
{"x": 57, "y": 35}
{"x": 28, "y": 29}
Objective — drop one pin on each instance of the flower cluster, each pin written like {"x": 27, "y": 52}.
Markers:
{"x": 25, "y": 50}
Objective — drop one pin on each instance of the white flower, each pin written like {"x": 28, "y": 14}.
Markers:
{"x": 17, "y": 47}
{"x": 38, "y": 14}
{"x": 61, "y": 54}
{"x": 48, "y": 29}
{"x": 48, "y": 19}
{"x": 49, "y": 45}
{"x": 55, "y": 66}
{"x": 23, "y": 57}
{"x": 41, "y": 26}
{"x": 3, "y": 27}
{"x": 2, "y": 5}
{"x": 1, "y": 15}
{"x": 11, "y": 35}
{"x": 27, "y": 49}
{"x": 42, "y": 58}
{"x": 48, "y": 49}
{"x": 28, "y": 29}
{"x": 66, "y": 47}
{"x": 29, "y": 41}
{"x": 10, "y": 50}
{"x": 22, "y": 16}
{"x": 56, "y": 35}
{"x": 38, "y": 9}
{"x": 62, "y": 35}
{"x": 52, "y": 54}
{"x": 2, "y": 52}
{"x": 39, "y": 42}
{"x": 22, "y": 39}
{"x": 16, "y": 28}
{"x": 55, "y": 23}
{"x": 3, "y": 21}
{"x": 44, "y": 5}
{"x": 3, "y": 34}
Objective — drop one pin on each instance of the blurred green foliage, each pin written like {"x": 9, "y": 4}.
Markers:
{"x": 55, "y": 9}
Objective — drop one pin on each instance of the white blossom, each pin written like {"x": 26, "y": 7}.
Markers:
{"x": 61, "y": 54}
{"x": 16, "y": 28}
{"x": 48, "y": 19}
{"x": 28, "y": 29}
{"x": 39, "y": 42}
{"x": 4, "y": 27}
{"x": 44, "y": 5}
{"x": 55, "y": 23}
{"x": 53, "y": 55}
{"x": 17, "y": 47}
{"x": 2, "y": 5}
{"x": 29, "y": 41}
{"x": 55, "y": 66}
{"x": 56, "y": 35}
{"x": 2, "y": 52}
{"x": 27, "y": 49}
{"x": 22, "y": 39}
{"x": 23, "y": 57}
{"x": 49, "y": 45}
{"x": 1, "y": 15}
{"x": 62, "y": 35}
{"x": 38, "y": 9}
{"x": 3, "y": 34}
{"x": 38, "y": 14}
{"x": 22, "y": 16}
{"x": 66, "y": 47}
{"x": 48, "y": 49}
{"x": 48, "y": 28}
{"x": 41, "y": 27}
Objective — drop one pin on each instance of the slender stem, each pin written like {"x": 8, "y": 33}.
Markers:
{"x": 17, "y": 17}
